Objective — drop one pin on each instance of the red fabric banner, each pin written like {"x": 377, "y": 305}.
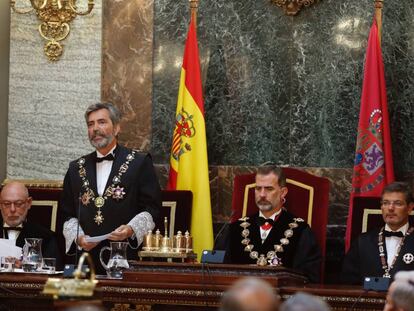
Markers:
{"x": 373, "y": 166}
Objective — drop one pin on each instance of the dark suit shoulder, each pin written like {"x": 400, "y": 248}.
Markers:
{"x": 38, "y": 230}
{"x": 369, "y": 235}
{"x": 75, "y": 163}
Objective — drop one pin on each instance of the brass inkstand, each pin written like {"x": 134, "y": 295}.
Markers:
{"x": 157, "y": 246}
{"x": 76, "y": 287}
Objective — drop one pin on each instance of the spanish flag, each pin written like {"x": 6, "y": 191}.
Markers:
{"x": 188, "y": 160}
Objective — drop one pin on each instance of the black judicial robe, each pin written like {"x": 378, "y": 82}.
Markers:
{"x": 142, "y": 193}
{"x": 302, "y": 253}
{"x": 363, "y": 258}
{"x": 49, "y": 242}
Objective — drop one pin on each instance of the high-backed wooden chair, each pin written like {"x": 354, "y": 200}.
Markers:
{"x": 308, "y": 198}
{"x": 366, "y": 215}
{"x": 177, "y": 206}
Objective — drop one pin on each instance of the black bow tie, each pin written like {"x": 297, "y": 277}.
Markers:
{"x": 398, "y": 234}
{"x": 108, "y": 157}
{"x": 261, "y": 221}
{"x": 13, "y": 228}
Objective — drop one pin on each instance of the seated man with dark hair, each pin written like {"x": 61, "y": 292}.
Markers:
{"x": 14, "y": 205}
{"x": 384, "y": 251}
{"x": 274, "y": 236}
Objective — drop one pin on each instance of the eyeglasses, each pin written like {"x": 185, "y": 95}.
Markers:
{"x": 20, "y": 204}
{"x": 397, "y": 203}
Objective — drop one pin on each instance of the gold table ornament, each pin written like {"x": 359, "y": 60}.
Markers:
{"x": 75, "y": 287}
{"x": 176, "y": 247}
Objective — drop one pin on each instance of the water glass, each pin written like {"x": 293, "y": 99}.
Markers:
{"x": 8, "y": 263}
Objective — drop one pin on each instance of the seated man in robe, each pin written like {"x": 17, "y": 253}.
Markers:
{"x": 383, "y": 251}
{"x": 14, "y": 205}
{"x": 273, "y": 235}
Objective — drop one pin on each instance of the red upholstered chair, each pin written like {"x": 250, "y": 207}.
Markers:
{"x": 308, "y": 198}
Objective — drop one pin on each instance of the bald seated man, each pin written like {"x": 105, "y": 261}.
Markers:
{"x": 250, "y": 294}
{"x": 15, "y": 203}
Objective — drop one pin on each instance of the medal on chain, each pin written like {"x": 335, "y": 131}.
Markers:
{"x": 271, "y": 257}
{"x": 114, "y": 190}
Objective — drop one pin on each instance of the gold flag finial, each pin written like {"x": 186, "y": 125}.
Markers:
{"x": 194, "y": 10}
{"x": 378, "y": 4}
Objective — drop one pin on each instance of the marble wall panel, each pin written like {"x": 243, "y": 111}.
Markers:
{"x": 283, "y": 88}
{"x": 127, "y": 67}
{"x": 46, "y": 127}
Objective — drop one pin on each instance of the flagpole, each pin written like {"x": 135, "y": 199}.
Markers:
{"x": 194, "y": 9}
{"x": 378, "y": 17}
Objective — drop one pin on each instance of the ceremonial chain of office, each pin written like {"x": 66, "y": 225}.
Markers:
{"x": 397, "y": 253}
{"x": 114, "y": 190}
{"x": 271, "y": 257}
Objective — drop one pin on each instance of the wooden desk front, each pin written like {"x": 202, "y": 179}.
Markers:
{"x": 166, "y": 286}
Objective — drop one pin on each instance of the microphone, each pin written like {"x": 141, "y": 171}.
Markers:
{"x": 216, "y": 256}
{"x": 77, "y": 229}
{"x": 220, "y": 232}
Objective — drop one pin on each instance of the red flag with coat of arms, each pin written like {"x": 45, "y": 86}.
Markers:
{"x": 373, "y": 166}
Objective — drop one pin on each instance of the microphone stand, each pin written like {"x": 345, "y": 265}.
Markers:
{"x": 77, "y": 229}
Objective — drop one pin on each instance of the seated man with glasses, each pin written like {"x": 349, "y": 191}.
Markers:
{"x": 14, "y": 205}
{"x": 384, "y": 251}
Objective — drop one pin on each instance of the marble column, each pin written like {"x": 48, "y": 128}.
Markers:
{"x": 127, "y": 67}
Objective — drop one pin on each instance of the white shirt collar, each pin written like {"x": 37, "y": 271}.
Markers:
{"x": 403, "y": 229}
{"x": 100, "y": 155}
{"x": 5, "y": 225}
{"x": 273, "y": 216}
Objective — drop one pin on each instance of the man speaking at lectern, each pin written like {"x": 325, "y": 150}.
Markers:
{"x": 273, "y": 235}
{"x": 113, "y": 190}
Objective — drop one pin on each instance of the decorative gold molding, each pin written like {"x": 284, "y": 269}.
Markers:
{"x": 36, "y": 183}
{"x": 54, "y": 205}
{"x": 55, "y": 16}
{"x": 292, "y": 7}
{"x": 173, "y": 207}
{"x": 367, "y": 213}
{"x": 346, "y": 299}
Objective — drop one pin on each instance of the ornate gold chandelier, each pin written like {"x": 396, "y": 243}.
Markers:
{"x": 55, "y": 16}
{"x": 292, "y": 7}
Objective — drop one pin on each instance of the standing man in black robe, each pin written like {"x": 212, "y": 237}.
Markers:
{"x": 273, "y": 235}
{"x": 113, "y": 190}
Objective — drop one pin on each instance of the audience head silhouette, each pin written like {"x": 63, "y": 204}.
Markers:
{"x": 250, "y": 294}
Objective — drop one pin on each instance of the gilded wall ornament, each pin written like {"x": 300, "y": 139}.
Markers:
{"x": 55, "y": 16}
{"x": 292, "y": 7}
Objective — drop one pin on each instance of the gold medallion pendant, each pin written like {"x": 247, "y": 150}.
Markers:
{"x": 99, "y": 218}
{"x": 99, "y": 202}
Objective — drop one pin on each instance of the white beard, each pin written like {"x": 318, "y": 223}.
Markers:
{"x": 264, "y": 207}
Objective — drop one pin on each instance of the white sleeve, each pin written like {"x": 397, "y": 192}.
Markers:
{"x": 141, "y": 224}
{"x": 71, "y": 230}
